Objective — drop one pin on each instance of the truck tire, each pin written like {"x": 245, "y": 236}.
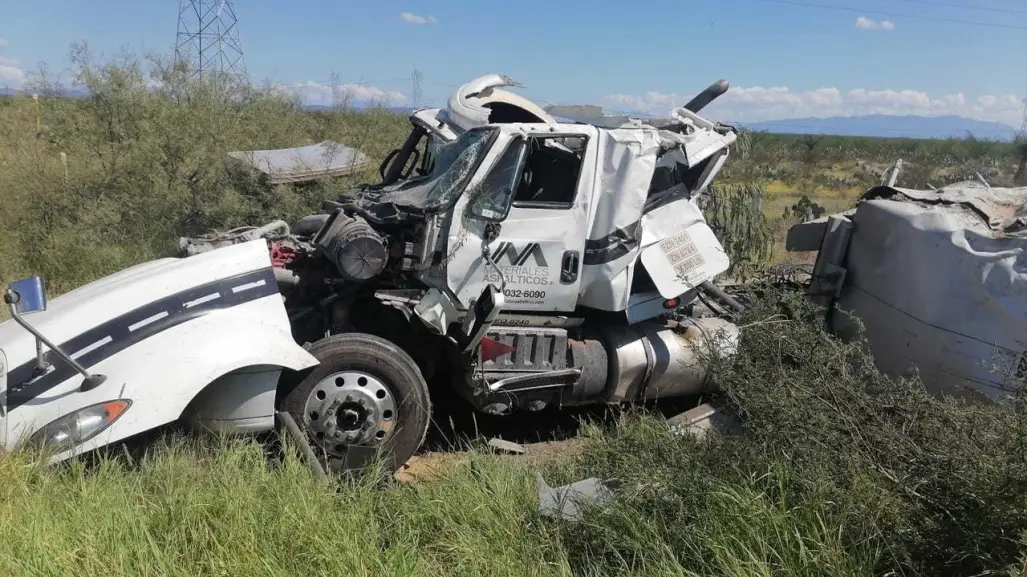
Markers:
{"x": 368, "y": 392}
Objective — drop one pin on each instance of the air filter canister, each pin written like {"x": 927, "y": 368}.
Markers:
{"x": 357, "y": 250}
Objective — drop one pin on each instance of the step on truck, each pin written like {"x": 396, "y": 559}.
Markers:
{"x": 526, "y": 261}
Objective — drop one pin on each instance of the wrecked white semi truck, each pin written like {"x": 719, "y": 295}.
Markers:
{"x": 530, "y": 262}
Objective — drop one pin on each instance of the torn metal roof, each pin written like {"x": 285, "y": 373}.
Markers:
{"x": 304, "y": 163}
{"x": 1003, "y": 210}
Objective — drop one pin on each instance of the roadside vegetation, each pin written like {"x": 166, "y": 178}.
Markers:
{"x": 840, "y": 470}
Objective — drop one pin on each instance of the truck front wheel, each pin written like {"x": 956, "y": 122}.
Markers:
{"x": 367, "y": 391}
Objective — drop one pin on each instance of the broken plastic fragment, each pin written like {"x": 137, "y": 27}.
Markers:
{"x": 506, "y": 446}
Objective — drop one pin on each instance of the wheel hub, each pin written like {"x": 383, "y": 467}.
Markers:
{"x": 350, "y": 408}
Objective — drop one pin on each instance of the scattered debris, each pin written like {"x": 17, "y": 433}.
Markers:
{"x": 506, "y": 446}
{"x": 567, "y": 501}
{"x": 704, "y": 418}
{"x": 304, "y": 163}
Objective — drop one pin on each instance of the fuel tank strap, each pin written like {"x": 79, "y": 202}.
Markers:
{"x": 650, "y": 361}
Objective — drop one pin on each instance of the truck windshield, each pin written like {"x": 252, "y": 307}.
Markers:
{"x": 454, "y": 162}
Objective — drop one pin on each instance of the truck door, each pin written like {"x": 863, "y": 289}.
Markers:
{"x": 539, "y": 246}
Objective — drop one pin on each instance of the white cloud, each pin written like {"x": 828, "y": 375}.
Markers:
{"x": 758, "y": 103}
{"x": 11, "y": 74}
{"x": 869, "y": 24}
{"x": 11, "y": 77}
{"x": 319, "y": 93}
{"x": 412, "y": 18}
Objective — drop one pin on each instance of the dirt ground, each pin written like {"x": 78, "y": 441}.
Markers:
{"x": 424, "y": 467}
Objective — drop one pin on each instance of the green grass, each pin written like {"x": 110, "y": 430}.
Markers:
{"x": 841, "y": 471}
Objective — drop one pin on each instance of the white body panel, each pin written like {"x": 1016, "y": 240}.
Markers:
{"x": 679, "y": 250}
{"x": 468, "y": 107}
{"x": 627, "y": 159}
{"x": 160, "y": 332}
{"x": 938, "y": 278}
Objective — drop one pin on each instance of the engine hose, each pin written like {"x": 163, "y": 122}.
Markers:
{"x": 718, "y": 293}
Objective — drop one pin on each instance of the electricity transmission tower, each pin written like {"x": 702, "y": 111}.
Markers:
{"x": 415, "y": 88}
{"x": 1020, "y": 178}
{"x": 1023, "y": 126}
{"x": 208, "y": 42}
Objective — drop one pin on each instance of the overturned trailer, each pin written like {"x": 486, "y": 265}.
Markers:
{"x": 937, "y": 278}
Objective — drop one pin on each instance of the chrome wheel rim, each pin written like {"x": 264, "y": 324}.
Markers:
{"x": 350, "y": 408}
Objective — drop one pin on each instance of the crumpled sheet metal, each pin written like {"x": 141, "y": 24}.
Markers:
{"x": 940, "y": 284}
{"x": 568, "y": 501}
{"x": 304, "y": 163}
{"x": 1003, "y": 209}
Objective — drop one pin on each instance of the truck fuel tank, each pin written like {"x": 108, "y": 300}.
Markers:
{"x": 653, "y": 361}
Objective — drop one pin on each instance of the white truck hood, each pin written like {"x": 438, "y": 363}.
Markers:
{"x": 86, "y": 307}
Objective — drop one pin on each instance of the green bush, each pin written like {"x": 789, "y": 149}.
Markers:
{"x": 146, "y": 162}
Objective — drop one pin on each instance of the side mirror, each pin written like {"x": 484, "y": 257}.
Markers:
{"x": 27, "y": 296}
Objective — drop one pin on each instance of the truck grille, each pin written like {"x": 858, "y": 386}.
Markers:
{"x": 537, "y": 349}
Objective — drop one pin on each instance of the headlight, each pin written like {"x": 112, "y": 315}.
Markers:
{"x": 78, "y": 427}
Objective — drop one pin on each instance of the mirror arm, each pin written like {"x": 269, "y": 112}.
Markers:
{"x": 91, "y": 381}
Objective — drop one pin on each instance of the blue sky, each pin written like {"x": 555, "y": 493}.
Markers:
{"x": 784, "y": 58}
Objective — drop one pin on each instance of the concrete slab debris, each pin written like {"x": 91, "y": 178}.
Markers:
{"x": 304, "y": 163}
{"x": 701, "y": 420}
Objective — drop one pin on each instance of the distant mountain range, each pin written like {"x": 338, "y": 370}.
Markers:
{"x": 881, "y": 125}
{"x": 871, "y": 125}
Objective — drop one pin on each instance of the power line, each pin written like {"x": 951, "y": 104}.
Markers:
{"x": 897, "y": 14}
{"x": 966, "y": 7}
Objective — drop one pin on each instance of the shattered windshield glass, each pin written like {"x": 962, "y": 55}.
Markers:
{"x": 454, "y": 162}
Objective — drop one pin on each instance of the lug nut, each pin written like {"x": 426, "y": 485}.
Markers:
{"x": 349, "y": 398}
